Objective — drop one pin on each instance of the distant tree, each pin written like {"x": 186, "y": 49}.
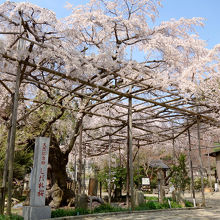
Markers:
{"x": 180, "y": 178}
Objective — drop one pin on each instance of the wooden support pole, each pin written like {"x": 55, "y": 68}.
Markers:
{"x": 200, "y": 161}
{"x": 191, "y": 165}
{"x": 209, "y": 174}
{"x": 75, "y": 172}
{"x": 109, "y": 167}
{"x": 139, "y": 184}
{"x": 12, "y": 138}
{"x": 173, "y": 142}
{"x": 84, "y": 171}
{"x": 130, "y": 137}
{"x": 80, "y": 160}
{"x": 5, "y": 172}
{"x": 127, "y": 177}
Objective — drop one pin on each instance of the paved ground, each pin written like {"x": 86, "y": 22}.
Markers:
{"x": 212, "y": 212}
{"x": 180, "y": 214}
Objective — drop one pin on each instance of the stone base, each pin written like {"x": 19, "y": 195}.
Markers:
{"x": 36, "y": 212}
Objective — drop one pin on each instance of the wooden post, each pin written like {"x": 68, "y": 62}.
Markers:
{"x": 119, "y": 151}
{"x": 191, "y": 166}
{"x": 200, "y": 160}
{"x": 80, "y": 160}
{"x": 138, "y": 145}
{"x": 84, "y": 172}
{"x": 127, "y": 178}
{"x": 173, "y": 141}
{"x": 5, "y": 171}
{"x": 75, "y": 173}
{"x": 209, "y": 171}
{"x": 130, "y": 149}
{"x": 12, "y": 138}
{"x": 109, "y": 166}
{"x": 100, "y": 189}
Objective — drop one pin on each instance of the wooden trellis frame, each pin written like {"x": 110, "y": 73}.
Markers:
{"x": 157, "y": 104}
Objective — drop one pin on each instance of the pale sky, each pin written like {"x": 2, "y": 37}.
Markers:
{"x": 208, "y": 9}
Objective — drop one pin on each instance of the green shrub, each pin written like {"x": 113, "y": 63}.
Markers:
{"x": 179, "y": 176}
{"x": 149, "y": 205}
{"x": 145, "y": 206}
{"x": 175, "y": 204}
{"x": 73, "y": 212}
{"x": 107, "y": 208}
{"x": 151, "y": 198}
{"x": 188, "y": 203}
{"x": 11, "y": 217}
{"x": 68, "y": 212}
{"x": 197, "y": 183}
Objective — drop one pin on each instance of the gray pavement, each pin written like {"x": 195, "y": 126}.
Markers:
{"x": 160, "y": 215}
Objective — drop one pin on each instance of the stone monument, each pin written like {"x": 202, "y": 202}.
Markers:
{"x": 93, "y": 187}
{"x": 37, "y": 209}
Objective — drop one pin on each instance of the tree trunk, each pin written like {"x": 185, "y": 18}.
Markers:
{"x": 57, "y": 175}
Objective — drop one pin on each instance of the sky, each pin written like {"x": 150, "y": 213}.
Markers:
{"x": 208, "y": 9}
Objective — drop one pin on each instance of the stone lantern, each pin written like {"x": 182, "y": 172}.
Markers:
{"x": 216, "y": 154}
{"x": 161, "y": 174}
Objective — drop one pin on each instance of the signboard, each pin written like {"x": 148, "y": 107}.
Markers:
{"x": 145, "y": 181}
{"x": 39, "y": 172}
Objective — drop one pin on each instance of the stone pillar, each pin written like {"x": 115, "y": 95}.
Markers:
{"x": 161, "y": 192}
{"x": 139, "y": 198}
{"x": 37, "y": 209}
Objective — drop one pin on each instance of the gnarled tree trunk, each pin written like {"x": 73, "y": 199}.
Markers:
{"x": 57, "y": 177}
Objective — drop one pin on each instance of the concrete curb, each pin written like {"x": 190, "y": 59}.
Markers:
{"x": 123, "y": 212}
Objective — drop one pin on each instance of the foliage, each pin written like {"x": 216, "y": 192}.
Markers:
{"x": 22, "y": 160}
{"x": 150, "y": 198}
{"x": 149, "y": 205}
{"x": 179, "y": 177}
{"x": 107, "y": 208}
{"x": 188, "y": 203}
{"x": 118, "y": 176}
{"x": 197, "y": 183}
{"x": 153, "y": 183}
{"x": 138, "y": 175}
{"x": 73, "y": 212}
{"x": 68, "y": 212}
{"x": 156, "y": 205}
{"x": 22, "y": 163}
{"x": 11, "y": 217}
